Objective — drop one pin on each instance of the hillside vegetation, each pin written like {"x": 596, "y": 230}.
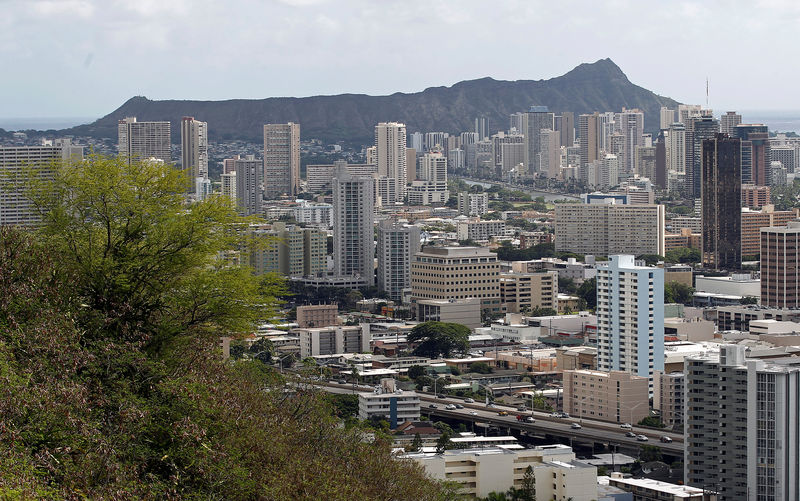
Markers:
{"x": 111, "y": 381}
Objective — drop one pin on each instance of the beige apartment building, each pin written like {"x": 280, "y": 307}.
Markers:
{"x": 288, "y": 249}
{"x": 457, "y": 273}
{"x": 753, "y": 221}
{"x": 615, "y": 396}
{"x": 317, "y": 315}
{"x": 606, "y": 229}
{"x": 483, "y": 470}
{"x": 521, "y": 292}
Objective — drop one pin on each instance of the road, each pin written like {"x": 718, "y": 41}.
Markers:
{"x": 591, "y": 430}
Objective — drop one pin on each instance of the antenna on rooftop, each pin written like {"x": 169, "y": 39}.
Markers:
{"x": 706, "y": 92}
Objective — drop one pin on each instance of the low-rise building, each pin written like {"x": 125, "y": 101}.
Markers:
{"x": 389, "y": 402}
{"x": 521, "y": 292}
{"x": 578, "y": 357}
{"x": 461, "y": 311}
{"x": 741, "y": 284}
{"x": 333, "y": 340}
{"x": 493, "y": 469}
{"x": 647, "y": 489}
{"x": 615, "y": 396}
{"x": 317, "y": 315}
{"x": 738, "y": 318}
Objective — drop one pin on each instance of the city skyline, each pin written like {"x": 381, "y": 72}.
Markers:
{"x": 152, "y": 37}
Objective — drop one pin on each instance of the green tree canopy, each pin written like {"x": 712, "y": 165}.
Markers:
{"x": 439, "y": 339}
{"x": 683, "y": 255}
{"x": 480, "y": 368}
{"x": 677, "y": 292}
{"x": 588, "y": 292}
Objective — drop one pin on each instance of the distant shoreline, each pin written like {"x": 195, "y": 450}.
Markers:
{"x": 43, "y": 123}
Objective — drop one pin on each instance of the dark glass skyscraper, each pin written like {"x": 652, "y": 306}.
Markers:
{"x": 703, "y": 128}
{"x": 722, "y": 202}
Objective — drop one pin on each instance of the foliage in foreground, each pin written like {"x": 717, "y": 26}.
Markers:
{"x": 111, "y": 383}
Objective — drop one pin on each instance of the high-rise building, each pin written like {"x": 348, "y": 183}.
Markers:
{"x": 780, "y": 266}
{"x": 229, "y": 185}
{"x": 143, "y": 140}
{"x": 319, "y": 178}
{"x": 229, "y": 164}
{"x": 390, "y": 151}
{"x": 281, "y": 160}
{"x": 289, "y": 250}
{"x": 741, "y": 432}
{"x": 755, "y": 153}
{"x": 662, "y": 166}
{"x": 16, "y": 208}
{"x": 194, "y": 148}
{"x": 416, "y": 141}
{"x": 525, "y": 292}
{"x": 456, "y": 273}
{"x": 721, "y": 203}
{"x": 728, "y": 123}
{"x": 534, "y": 121}
{"x": 604, "y": 229}
{"x": 482, "y": 128}
{"x": 676, "y": 148}
{"x": 588, "y": 138}
{"x": 550, "y": 156}
{"x": 646, "y": 161}
{"x": 630, "y": 317}
{"x": 353, "y": 219}
{"x": 566, "y": 128}
{"x": 473, "y": 204}
{"x": 397, "y": 245}
{"x": 249, "y": 184}
{"x": 411, "y": 163}
{"x": 754, "y": 220}
{"x": 632, "y": 128}
{"x": 666, "y": 117}
{"x": 699, "y": 129}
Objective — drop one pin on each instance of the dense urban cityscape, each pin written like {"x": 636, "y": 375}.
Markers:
{"x": 554, "y": 301}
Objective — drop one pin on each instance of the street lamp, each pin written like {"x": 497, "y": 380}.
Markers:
{"x": 436, "y": 380}
{"x": 630, "y": 417}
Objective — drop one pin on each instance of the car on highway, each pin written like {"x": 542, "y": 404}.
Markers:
{"x": 469, "y": 401}
{"x": 440, "y": 396}
{"x": 450, "y": 407}
{"x": 342, "y": 381}
{"x": 459, "y": 406}
{"x": 575, "y": 426}
{"x": 627, "y": 426}
{"x": 491, "y": 405}
{"x": 641, "y": 438}
{"x": 630, "y": 434}
{"x": 473, "y": 413}
{"x": 522, "y": 408}
{"x": 555, "y": 414}
{"x": 433, "y": 406}
{"x": 526, "y": 419}
{"x": 666, "y": 439}
{"x": 502, "y": 413}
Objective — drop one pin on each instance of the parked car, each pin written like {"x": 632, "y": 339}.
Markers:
{"x": 502, "y": 413}
{"x": 666, "y": 439}
{"x": 469, "y": 401}
{"x": 450, "y": 407}
{"x": 630, "y": 434}
{"x": 641, "y": 438}
{"x": 627, "y": 426}
{"x": 576, "y": 426}
{"x": 459, "y": 406}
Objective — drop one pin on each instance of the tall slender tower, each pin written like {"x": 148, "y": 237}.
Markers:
{"x": 728, "y": 123}
{"x": 632, "y": 128}
{"x": 353, "y": 219}
{"x": 390, "y": 150}
{"x": 397, "y": 245}
{"x": 281, "y": 159}
{"x": 534, "y": 121}
{"x": 248, "y": 181}
{"x": 722, "y": 203}
{"x": 630, "y": 317}
{"x": 143, "y": 140}
{"x": 194, "y": 149}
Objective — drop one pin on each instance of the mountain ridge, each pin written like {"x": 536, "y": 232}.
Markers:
{"x": 589, "y": 87}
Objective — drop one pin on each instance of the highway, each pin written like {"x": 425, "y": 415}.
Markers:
{"x": 590, "y": 431}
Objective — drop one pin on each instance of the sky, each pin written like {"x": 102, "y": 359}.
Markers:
{"x": 84, "y": 58}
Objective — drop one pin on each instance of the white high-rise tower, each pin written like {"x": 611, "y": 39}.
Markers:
{"x": 194, "y": 149}
{"x": 353, "y": 220}
{"x": 390, "y": 152}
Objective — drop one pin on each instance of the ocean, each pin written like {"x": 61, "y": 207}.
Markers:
{"x": 43, "y": 123}
{"x": 776, "y": 120}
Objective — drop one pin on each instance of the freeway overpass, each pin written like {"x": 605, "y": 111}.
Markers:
{"x": 591, "y": 431}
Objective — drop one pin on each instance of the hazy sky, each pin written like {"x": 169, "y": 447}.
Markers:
{"x": 86, "y": 57}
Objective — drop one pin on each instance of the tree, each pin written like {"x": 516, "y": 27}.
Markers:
{"x": 416, "y": 444}
{"x": 542, "y": 312}
{"x": 684, "y": 255}
{"x": 443, "y": 443}
{"x": 652, "y": 422}
{"x": 677, "y": 292}
{"x": 567, "y": 285}
{"x": 416, "y": 371}
{"x": 650, "y": 259}
{"x": 112, "y": 384}
{"x": 480, "y": 368}
{"x": 588, "y": 292}
{"x": 528, "y": 489}
{"x": 439, "y": 338}
{"x": 648, "y": 453}
{"x": 749, "y": 300}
